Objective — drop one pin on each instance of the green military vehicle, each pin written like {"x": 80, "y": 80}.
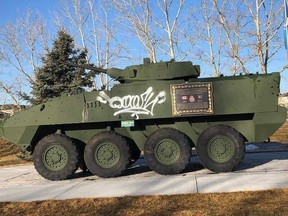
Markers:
{"x": 162, "y": 109}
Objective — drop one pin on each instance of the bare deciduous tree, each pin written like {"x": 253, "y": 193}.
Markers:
{"x": 22, "y": 44}
{"x": 242, "y": 33}
{"x": 96, "y": 30}
{"x": 266, "y": 19}
{"x": 139, "y": 16}
{"x": 230, "y": 18}
{"x": 205, "y": 35}
{"x": 10, "y": 91}
{"x": 13, "y": 52}
{"x": 76, "y": 12}
{"x": 102, "y": 31}
{"x": 209, "y": 22}
{"x": 171, "y": 22}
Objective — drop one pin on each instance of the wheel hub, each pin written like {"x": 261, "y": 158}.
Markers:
{"x": 167, "y": 151}
{"x": 221, "y": 149}
{"x": 107, "y": 155}
{"x": 55, "y": 157}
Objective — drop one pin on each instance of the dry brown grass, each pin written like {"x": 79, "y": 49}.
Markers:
{"x": 272, "y": 202}
{"x": 9, "y": 155}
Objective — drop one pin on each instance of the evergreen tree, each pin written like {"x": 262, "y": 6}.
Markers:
{"x": 58, "y": 74}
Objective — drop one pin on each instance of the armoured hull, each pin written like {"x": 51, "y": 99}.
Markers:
{"x": 247, "y": 103}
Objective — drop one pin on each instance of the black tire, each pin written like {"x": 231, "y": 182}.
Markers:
{"x": 167, "y": 151}
{"x": 81, "y": 146}
{"x": 220, "y": 148}
{"x": 107, "y": 154}
{"x": 56, "y": 157}
{"x": 135, "y": 152}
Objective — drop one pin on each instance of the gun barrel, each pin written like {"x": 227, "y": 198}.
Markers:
{"x": 89, "y": 67}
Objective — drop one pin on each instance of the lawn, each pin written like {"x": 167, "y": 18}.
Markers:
{"x": 272, "y": 202}
{"x": 10, "y": 155}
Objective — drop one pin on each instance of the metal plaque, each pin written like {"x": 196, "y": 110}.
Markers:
{"x": 192, "y": 99}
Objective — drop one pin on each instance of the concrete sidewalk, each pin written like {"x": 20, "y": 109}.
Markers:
{"x": 259, "y": 171}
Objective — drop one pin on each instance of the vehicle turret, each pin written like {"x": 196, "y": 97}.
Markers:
{"x": 155, "y": 71}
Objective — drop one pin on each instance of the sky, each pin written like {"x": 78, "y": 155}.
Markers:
{"x": 11, "y": 9}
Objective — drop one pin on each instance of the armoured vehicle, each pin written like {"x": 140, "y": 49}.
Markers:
{"x": 163, "y": 109}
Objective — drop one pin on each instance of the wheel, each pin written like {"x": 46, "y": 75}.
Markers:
{"x": 56, "y": 157}
{"x": 135, "y": 152}
{"x": 107, "y": 154}
{"x": 167, "y": 151}
{"x": 220, "y": 148}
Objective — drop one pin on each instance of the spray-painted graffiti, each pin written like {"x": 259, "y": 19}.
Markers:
{"x": 134, "y": 104}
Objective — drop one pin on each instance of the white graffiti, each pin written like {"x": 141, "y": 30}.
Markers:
{"x": 134, "y": 104}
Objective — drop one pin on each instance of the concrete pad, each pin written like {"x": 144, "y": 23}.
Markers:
{"x": 159, "y": 185}
{"x": 258, "y": 171}
{"x": 29, "y": 193}
{"x": 13, "y": 172}
{"x": 269, "y": 161}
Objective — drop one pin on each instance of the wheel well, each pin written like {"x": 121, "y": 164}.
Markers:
{"x": 244, "y": 138}
{"x": 41, "y": 132}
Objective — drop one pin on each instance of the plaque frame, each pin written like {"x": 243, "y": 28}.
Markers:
{"x": 190, "y": 86}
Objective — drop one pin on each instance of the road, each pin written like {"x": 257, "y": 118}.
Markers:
{"x": 259, "y": 170}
